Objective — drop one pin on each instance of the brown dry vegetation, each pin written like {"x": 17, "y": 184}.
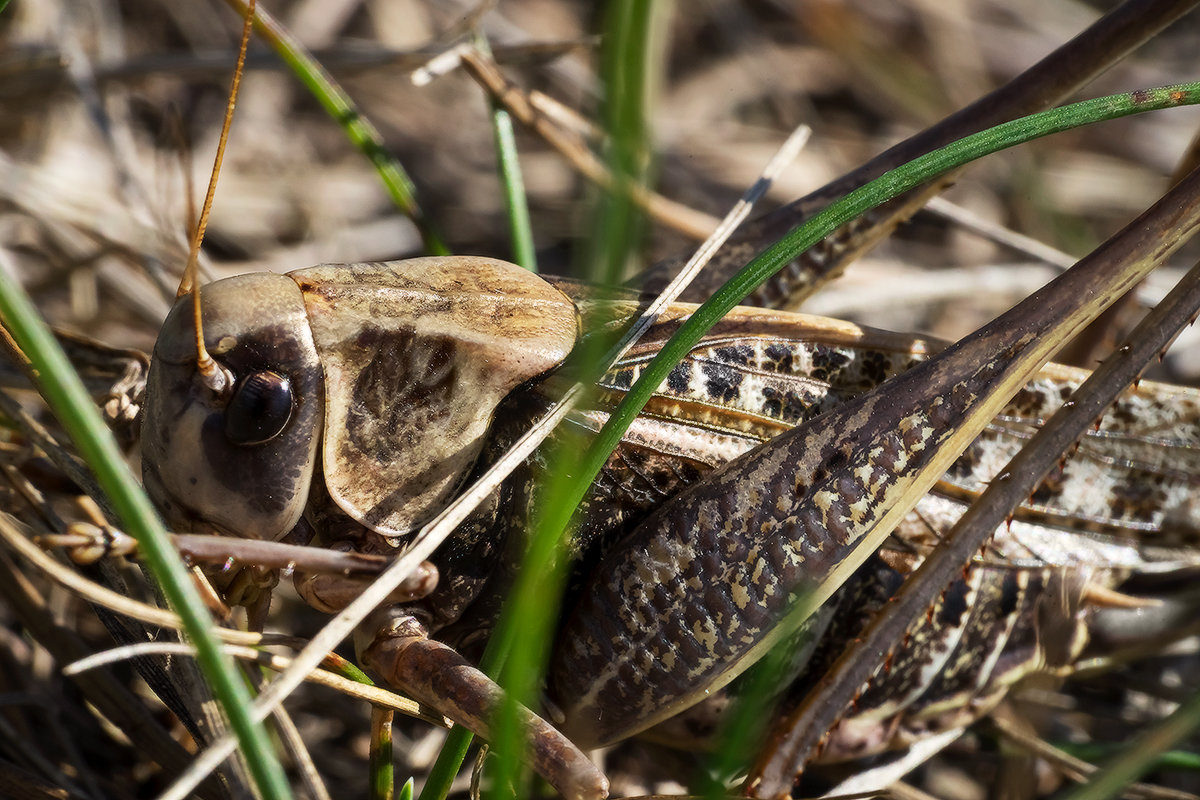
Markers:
{"x": 100, "y": 101}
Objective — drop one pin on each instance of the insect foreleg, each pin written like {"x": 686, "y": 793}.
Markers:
{"x": 402, "y": 652}
{"x": 333, "y": 592}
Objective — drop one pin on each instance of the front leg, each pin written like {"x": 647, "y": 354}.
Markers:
{"x": 394, "y": 642}
{"x": 332, "y": 592}
{"x": 401, "y": 651}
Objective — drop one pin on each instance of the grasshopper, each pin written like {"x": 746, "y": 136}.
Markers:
{"x": 308, "y": 379}
{"x": 834, "y": 364}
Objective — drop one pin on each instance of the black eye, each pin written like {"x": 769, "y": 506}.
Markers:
{"x": 259, "y": 409}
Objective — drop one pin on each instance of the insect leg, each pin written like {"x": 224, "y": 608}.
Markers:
{"x": 437, "y": 675}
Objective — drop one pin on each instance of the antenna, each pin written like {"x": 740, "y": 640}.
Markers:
{"x": 212, "y": 374}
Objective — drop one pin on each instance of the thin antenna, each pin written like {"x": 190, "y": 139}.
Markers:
{"x": 216, "y": 378}
{"x": 186, "y": 165}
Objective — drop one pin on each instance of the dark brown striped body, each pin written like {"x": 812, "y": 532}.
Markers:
{"x": 988, "y": 631}
{"x": 711, "y": 590}
{"x": 762, "y": 542}
{"x": 793, "y": 454}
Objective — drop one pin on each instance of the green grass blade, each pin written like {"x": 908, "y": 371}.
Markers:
{"x": 882, "y": 189}
{"x": 511, "y": 181}
{"x": 382, "y": 780}
{"x": 341, "y": 108}
{"x": 515, "y": 202}
{"x": 625, "y": 72}
{"x": 1141, "y": 754}
{"x": 1095, "y": 751}
{"x": 449, "y": 761}
{"x": 70, "y": 403}
{"x": 630, "y": 45}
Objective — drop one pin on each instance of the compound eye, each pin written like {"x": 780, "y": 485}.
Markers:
{"x": 259, "y": 409}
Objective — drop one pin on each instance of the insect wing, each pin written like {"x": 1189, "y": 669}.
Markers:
{"x": 1133, "y": 475}
{"x": 759, "y": 373}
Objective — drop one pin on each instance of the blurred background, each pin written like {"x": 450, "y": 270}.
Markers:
{"x": 109, "y": 113}
{"x": 106, "y": 105}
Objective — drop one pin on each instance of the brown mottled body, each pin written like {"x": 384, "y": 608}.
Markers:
{"x": 689, "y": 585}
{"x": 764, "y": 539}
{"x": 730, "y": 392}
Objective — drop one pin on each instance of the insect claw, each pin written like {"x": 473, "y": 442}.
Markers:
{"x": 244, "y": 585}
{"x": 552, "y": 710}
{"x": 87, "y": 543}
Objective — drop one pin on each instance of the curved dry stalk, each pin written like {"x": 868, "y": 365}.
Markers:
{"x": 272, "y": 661}
{"x": 1074, "y": 768}
{"x": 486, "y": 72}
{"x": 13, "y": 532}
{"x": 1000, "y": 234}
